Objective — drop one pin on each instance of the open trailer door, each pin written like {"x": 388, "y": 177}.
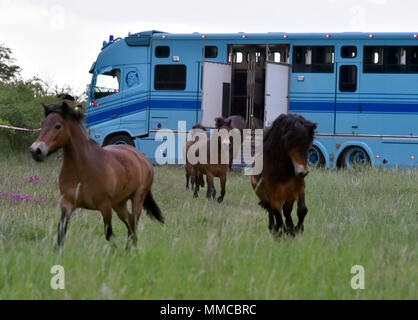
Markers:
{"x": 216, "y": 91}
{"x": 277, "y": 91}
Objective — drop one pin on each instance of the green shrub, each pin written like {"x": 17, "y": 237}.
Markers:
{"x": 21, "y": 107}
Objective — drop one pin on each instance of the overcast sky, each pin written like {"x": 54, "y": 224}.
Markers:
{"x": 59, "y": 40}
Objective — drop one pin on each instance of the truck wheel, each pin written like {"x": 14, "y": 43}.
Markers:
{"x": 315, "y": 157}
{"x": 355, "y": 157}
{"x": 121, "y": 139}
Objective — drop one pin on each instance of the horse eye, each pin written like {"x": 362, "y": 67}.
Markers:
{"x": 58, "y": 126}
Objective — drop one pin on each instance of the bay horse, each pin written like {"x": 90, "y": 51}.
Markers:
{"x": 212, "y": 170}
{"x": 93, "y": 177}
{"x": 188, "y": 166}
{"x": 285, "y": 164}
{"x": 237, "y": 122}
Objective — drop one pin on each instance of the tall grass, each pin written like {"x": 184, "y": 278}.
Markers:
{"x": 208, "y": 250}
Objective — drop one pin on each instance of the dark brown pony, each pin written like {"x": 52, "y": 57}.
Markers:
{"x": 237, "y": 122}
{"x": 188, "y": 166}
{"x": 285, "y": 165}
{"x": 93, "y": 177}
{"x": 212, "y": 170}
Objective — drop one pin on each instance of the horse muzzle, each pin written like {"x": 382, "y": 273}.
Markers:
{"x": 39, "y": 151}
{"x": 301, "y": 171}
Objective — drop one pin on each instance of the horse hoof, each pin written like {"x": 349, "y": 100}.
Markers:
{"x": 292, "y": 233}
{"x": 278, "y": 233}
{"x": 195, "y": 195}
{"x": 299, "y": 230}
{"x": 220, "y": 199}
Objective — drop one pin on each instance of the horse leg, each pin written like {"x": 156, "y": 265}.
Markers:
{"x": 137, "y": 205}
{"x": 279, "y": 222}
{"x": 223, "y": 182}
{"x": 271, "y": 220}
{"x": 266, "y": 206}
{"x": 302, "y": 211}
{"x": 66, "y": 211}
{"x": 187, "y": 179}
{"x": 197, "y": 177}
{"x": 107, "y": 220}
{"x": 192, "y": 180}
{"x": 124, "y": 215}
{"x": 287, "y": 211}
{"x": 211, "y": 186}
{"x": 202, "y": 181}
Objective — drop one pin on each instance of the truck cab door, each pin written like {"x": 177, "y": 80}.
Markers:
{"x": 135, "y": 99}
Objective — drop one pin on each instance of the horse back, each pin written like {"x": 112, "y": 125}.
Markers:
{"x": 238, "y": 122}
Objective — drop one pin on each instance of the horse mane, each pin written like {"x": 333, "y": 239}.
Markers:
{"x": 65, "y": 109}
{"x": 283, "y": 124}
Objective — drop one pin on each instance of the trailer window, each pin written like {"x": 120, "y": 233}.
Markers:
{"x": 412, "y": 59}
{"x": 170, "y": 77}
{"x": 348, "y": 78}
{"x": 373, "y": 59}
{"x": 317, "y": 59}
{"x": 107, "y": 83}
{"x": 162, "y": 51}
{"x": 390, "y": 59}
{"x": 348, "y": 51}
{"x": 211, "y": 51}
{"x": 238, "y": 57}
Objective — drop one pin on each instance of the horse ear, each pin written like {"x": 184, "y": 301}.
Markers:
{"x": 313, "y": 128}
{"x": 46, "y": 109}
{"x": 218, "y": 122}
{"x": 229, "y": 122}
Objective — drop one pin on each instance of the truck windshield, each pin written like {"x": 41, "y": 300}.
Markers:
{"x": 107, "y": 83}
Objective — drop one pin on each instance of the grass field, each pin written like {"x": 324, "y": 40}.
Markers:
{"x": 208, "y": 250}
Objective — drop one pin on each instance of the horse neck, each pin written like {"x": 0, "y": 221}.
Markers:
{"x": 77, "y": 151}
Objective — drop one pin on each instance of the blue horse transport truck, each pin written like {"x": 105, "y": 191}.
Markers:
{"x": 360, "y": 88}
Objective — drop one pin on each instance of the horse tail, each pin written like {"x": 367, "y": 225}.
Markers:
{"x": 152, "y": 208}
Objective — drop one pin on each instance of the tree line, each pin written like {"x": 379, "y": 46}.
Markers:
{"x": 20, "y": 102}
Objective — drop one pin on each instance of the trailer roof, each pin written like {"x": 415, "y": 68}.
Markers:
{"x": 279, "y": 35}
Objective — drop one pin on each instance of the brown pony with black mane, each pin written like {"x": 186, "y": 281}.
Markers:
{"x": 188, "y": 166}
{"x": 219, "y": 169}
{"x": 236, "y": 122}
{"x": 93, "y": 177}
{"x": 285, "y": 151}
